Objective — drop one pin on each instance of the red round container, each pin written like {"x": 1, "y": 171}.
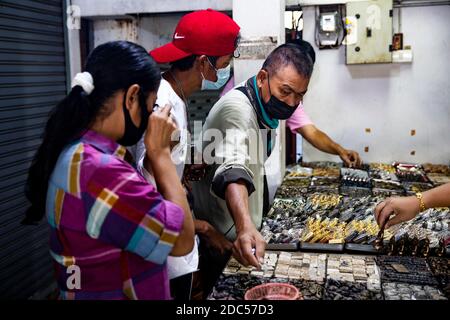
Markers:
{"x": 272, "y": 291}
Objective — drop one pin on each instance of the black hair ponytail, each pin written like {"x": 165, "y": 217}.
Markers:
{"x": 114, "y": 66}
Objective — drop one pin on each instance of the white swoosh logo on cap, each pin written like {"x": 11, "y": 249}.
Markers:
{"x": 176, "y": 36}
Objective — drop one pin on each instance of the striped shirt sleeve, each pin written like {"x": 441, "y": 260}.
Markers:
{"x": 127, "y": 212}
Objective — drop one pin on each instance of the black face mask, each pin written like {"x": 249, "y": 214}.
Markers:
{"x": 277, "y": 109}
{"x": 132, "y": 133}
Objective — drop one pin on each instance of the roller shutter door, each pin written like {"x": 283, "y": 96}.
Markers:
{"x": 32, "y": 81}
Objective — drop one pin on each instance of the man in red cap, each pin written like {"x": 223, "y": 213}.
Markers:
{"x": 203, "y": 44}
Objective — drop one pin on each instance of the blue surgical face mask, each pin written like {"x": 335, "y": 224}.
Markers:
{"x": 222, "y": 77}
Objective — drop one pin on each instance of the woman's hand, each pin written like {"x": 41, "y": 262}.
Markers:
{"x": 403, "y": 209}
{"x": 158, "y": 137}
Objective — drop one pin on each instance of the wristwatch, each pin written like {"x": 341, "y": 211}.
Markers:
{"x": 419, "y": 196}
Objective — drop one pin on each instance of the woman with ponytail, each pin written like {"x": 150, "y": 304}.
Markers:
{"x": 111, "y": 231}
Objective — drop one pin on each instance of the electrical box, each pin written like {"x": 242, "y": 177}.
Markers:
{"x": 369, "y": 32}
{"x": 329, "y": 27}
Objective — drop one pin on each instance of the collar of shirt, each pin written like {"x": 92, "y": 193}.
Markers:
{"x": 104, "y": 144}
{"x": 250, "y": 91}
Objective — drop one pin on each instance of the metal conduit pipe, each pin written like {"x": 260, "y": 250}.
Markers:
{"x": 420, "y": 3}
{"x": 397, "y": 4}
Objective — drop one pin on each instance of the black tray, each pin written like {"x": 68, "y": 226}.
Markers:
{"x": 282, "y": 246}
{"x": 307, "y": 246}
{"x": 355, "y": 191}
{"x": 388, "y": 192}
{"x": 365, "y": 248}
{"x": 416, "y": 270}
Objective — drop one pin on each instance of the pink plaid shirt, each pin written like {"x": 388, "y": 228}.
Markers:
{"x": 110, "y": 223}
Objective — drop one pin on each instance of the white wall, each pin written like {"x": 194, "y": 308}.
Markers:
{"x": 390, "y": 99}
{"x": 268, "y": 22}
{"x": 150, "y": 32}
{"x": 112, "y": 30}
{"x": 157, "y": 30}
{"x": 110, "y": 8}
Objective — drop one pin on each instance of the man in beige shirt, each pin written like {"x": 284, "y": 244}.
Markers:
{"x": 238, "y": 137}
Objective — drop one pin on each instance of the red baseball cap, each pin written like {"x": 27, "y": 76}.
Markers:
{"x": 205, "y": 32}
